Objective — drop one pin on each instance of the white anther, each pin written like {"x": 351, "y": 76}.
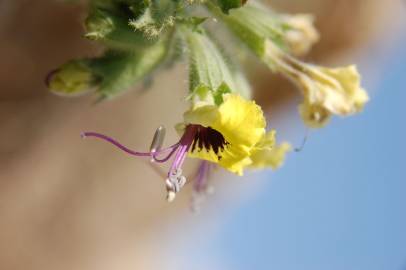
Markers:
{"x": 176, "y": 173}
{"x": 174, "y": 183}
{"x": 176, "y": 187}
{"x": 170, "y": 196}
{"x": 181, "y": 181}
{"x": 169, "y": 184}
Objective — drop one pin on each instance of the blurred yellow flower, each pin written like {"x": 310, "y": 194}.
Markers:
{"x": 326, "y": 90}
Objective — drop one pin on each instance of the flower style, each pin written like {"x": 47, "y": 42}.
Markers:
{"x": 231, "y": 135}
{"x": 327, "y": 91}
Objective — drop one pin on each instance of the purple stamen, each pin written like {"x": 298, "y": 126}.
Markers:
{"x": 174, "y": 148}
{"x": 201, "y": 178}
{"x": 184, "y": 145}
{"x": 176, "y": 164}
{"x": 183, "y": 156}
{"x": 194, "y": 136}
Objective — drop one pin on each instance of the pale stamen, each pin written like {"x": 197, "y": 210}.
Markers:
{"x": 157, "y": 141}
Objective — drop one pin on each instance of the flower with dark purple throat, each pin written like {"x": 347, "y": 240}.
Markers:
{"x": 229, "y": 135}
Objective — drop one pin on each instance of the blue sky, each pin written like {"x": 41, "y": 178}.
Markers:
{"x": 340, "y": 203}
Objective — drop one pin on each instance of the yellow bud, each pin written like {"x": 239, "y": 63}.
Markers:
{"x": 72, "y": 78}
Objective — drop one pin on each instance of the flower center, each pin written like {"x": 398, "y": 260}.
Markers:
{"x": 209, "y": 139}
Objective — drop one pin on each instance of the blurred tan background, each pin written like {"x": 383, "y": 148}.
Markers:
{"x": 66, "y": 203}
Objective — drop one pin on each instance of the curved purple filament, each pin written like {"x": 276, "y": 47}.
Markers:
{"x": 179, "y": 158}
{"x": 125, "y": 149}
{"x": 174, "y": 148}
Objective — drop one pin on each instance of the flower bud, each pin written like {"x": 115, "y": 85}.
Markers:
{"x": 72, "y": 78}
{"x": 301, "y": 34}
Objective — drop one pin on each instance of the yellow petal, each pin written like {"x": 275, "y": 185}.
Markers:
{"x": 268, "y": 154}
{"x": 273, "y": 158}
{"x": 268, "y": 140}
{"x": 233, "y": 159}
{"x": 342, "y": 93}
{"x": 242, "y": 122}
{"x": 204, "y": 115}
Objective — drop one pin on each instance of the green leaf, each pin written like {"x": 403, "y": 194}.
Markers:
{"x": 113, "y": 30}
{"x": 110, "y": 75}
{"x": 254, "y": 24}
{"x": 138, "y": 7}
{"x": 119, "y": 71}
{"x": 218, "y": 95}
{"x": 226, "y": 5}
{"x": 210, "y": 70}
{"x": 193, "y": 22}
{"x": 158, "y": 17}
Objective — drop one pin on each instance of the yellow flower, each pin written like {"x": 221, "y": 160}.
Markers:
{"x": 326, "y": 90}
{"x": 231, "y": 134}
